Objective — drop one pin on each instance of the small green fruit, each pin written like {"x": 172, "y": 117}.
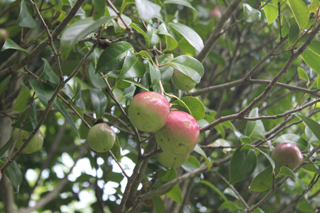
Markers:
{"x": 180, "y": 134}
{"x": 182, "y": 82}
{"x": 101, "y": 137}
{"x": 170, "y": 160}
{"x": 34, "y": 145}
{"x": 286, "y": 154}
{"x": 149, "y": 111}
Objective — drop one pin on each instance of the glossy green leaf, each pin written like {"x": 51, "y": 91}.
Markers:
{"x": 300, "y": 12}
{"x": 99, "y": 8}
{"x": 188, "y": 66}
{"x": 195, "y": 105}
{"x": 136, "y": 84}
{"x": 3, "y": 84}
{"x": 175, "y": 194}
{"x": 137, "y": 28}
{"x": 286, "y": 171}
{"x": 265, "y": 154}
{"x": 158, "y": 203}
{"x": 315, "y": 46}
{"x": 43, "y": 90}
{"x": 189, "y": 34}
{"x": 64, "y": 112}
{"x": 214, "y": 188}
{"x": 78, "y": 100}
{"x": 23, "y": 99}
{"x": 271, "y": 12}
{"x": 95, "y": 78}
{"x": 263, "y": 181}
{"x": 6, "y": 147}
{"x": 145, "y": 55}
{"x": 231, "y": 206}
{"x": 305, "y": 207}
{"x": 10, "y": 44}
{"x": 132, "y": 67}
{"x": 113, "y": 57}
{"x": 184, "y": 3}
{"x": 251, "y": 14}
{"x": 13, "y": 173}
{"x": 48, "y": 74}
{"x": 31, "y": 121}
{"x": 25, "y": 19}
{"x": 147, "y": 9}
{"x": 152, "y": 34}
{"x": 154, "y": 71}
{"x": 255, "y": 129}
{"x": 99, "y": 102}
{"x": 242, "y": 165}
{"x": 303, "y": 75}
{"x": 294, "y": 33}
{"x": 200, "y": 151}
{"x": 191, "y": 164}
{"x": 312, "y": 124}
{"x": 171, "y": 42}
{"x": 77, "y": 30}
{"x": 308, "y": 167}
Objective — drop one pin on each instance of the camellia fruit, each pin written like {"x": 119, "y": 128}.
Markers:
{"x": 286, "y": 154}
{"x": 170, "y": 160}
{"x": 182, "y": 81}
{"x": 101, "y": 137}
{"x": 149, "y": 111}
{"x": 180, "y": 134}
{"x": 34, "y": 145}
{"x": 3, "y": 35}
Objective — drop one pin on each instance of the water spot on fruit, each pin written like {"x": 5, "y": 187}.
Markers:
{"x": 187, "y": 123}
{"x": 138, "y": 113}
{"x": 180, "y": 144}
{"x": 168, "y": 139}
{"x": 161, "y": 140}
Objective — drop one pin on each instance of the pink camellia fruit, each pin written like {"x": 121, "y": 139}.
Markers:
{"x": 182, "y": 81}
{"x": 34, "y": 145}
{"x": 215, "y": 13}
{"x": 180, "y": 134}
{"x": 286, "y": 154}
{"x": 149, "y": 111}
{"x": 170, "y": 160}
{"x": 101, "y": 137}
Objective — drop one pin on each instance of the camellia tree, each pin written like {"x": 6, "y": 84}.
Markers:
{"x": 159, "y": 106}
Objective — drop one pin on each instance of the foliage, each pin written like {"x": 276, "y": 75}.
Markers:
{"x": 68, "y": 63}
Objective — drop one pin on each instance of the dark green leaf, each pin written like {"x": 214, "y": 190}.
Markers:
{"x": 300, "y": 12}
{"x": 99, "y": 8}
{"x": 10, "y": 44}
{"x": 25, "y": 19}
{"x": 152, "y": 34}
{"x": 31, "y": 121}
{"x": 303, "y": 75}
{"x": 286, "y": 171}
{"x": 154, "y": 71}
{"x": 13, "y": 173}
{"x": 137, "y": 28}
{"x": 99, "y": 102}
{"x": 132, "y": 67}
{"x": 158, "y": 204}
{"x": 96, "y": 79}
{"x": 43, "y": 90}
{"x": 265, "y": 154}
{"x": 232, "y": 206}
{"x": 23, "y": 99}
{"x": 188, "y": 66}
{"x": 184, "y": 3}
{"x": 170, "y": 40}
{"x": 195, "y": 106}
{"x": 78, "y": 101}
{"x": 312, "y": 124}
{"x": 189, "y": 34}
{"x": 175, "y": 194}
{"x": 255, "y": 129}
{"x": 116, "y": 149}
{"x": 66, "y": 115}
{"x": 78, "y": 30}
{"x": 294, "y": 33}
{"x": 6, "y": 147}
{"x": 147, "y": 9}
{"x": 48, "y": 74}
{"x": 113, "y": 57}
{"x": 263, "y": 181}
{"x": 198, "y": 149}
{"x": 251, "y": 14}
{"x": 242, "y": 165}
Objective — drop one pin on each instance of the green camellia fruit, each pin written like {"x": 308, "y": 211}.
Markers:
{"x": 182, "y": 81}
{"x": 101, "y": 137}
{"x": 170, "y": 160}
{"x": 34, "y": 145}
{"x": 149, "y": 111}
{"x": 180, "y": 134}
{"x": 286, "y": 154}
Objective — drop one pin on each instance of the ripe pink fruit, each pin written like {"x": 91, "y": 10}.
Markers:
{"x": 149, "y": 111}
{"x": 286, "y": 154}
{"x": 182, "y": 82}
{"x": 215, "y": 13}
{"x": 180, "y": 134}
{"x": 170, "y": 160}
